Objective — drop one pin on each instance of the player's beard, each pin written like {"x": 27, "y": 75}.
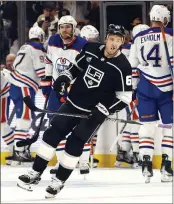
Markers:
{"x": 66, "y": 36}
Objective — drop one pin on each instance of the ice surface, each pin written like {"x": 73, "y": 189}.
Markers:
{"x": 101, "y": 186}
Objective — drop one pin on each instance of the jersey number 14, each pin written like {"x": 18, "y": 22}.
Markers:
{"x": 155, "y": 52}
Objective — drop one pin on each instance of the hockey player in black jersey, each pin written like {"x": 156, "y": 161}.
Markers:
{"x": 102, "y": 72}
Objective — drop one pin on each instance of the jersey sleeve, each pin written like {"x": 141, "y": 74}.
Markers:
{"x": 48, "y": 62}
{"x": 122, "y": 87}
{"x": 169, "y": 40}
{"x": 5, "y": 86}
{"x": 38, "y": 62}
{"x": 133, "y": 59}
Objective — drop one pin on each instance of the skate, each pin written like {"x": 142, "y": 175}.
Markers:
{"x": 27, "y": 180}
{"x": 54, "y": 188}
{"x": 135, "y": 164}
{"x": 84, "y": 168}
{"x": 122, "y": 156}
{"x": 54, "y": 170}
{"x": 95, "y": 162}
{"x": 147, "y": 168}
{"x": 28, "y": 153}
{"x": 9, "y": 160}
{"x": 23, "y": 158}
{"x": 166, "y": 170}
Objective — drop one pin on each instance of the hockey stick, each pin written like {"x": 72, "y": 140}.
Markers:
{"x": 32, "y": 107}
{"x": 138, "y": 123}
{"x": 123, "y": 128}
{"x": 166, "y": 49}
{"x": 36, "y": 134}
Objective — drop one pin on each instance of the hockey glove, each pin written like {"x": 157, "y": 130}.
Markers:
{"x": 46, "y": 85}
{"x": 61, "y": 84}
{"x": 99, "y": 114}
{"x": 134, "y": 94}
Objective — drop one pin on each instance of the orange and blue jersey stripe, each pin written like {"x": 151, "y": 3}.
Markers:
{"x": 24, "y": 80}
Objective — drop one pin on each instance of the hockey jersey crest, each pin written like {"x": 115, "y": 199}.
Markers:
{"x": 62, "y": 64}
{"x": 93, "y": 77}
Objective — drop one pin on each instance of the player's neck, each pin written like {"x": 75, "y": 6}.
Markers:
{"x": 107, "y": 55}
{"x": 156, "y": 24}
{"x": 68, "y": 41}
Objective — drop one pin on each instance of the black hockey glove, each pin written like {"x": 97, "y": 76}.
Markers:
{"x": 61, "y": 84}
{"x": 45, "y": 85}
{"x": 99, "y": 114}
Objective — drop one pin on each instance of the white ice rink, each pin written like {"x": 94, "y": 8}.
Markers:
{"x": 101, "y": 186}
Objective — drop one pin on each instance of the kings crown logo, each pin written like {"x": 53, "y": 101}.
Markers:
{"x": 93, "y": 77}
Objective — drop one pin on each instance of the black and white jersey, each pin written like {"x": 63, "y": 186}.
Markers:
{"x": 99, "y": 79}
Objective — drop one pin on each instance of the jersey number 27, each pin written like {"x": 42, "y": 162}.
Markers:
{"x": 153, "y": 51}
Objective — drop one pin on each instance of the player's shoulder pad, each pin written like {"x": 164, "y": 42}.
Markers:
{"x": 79, "y": 43}
{"x": 36, "y": 46}
{"x": 55, "y": 40}
{"x": 168, "y": 31}
{"x": 121, "y": 62}
{"x": 141, "y": 33}
{"x": 126, "y": 46}
{"x": 93, "y": 47}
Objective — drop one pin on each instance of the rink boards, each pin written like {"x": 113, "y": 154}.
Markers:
{"x": 106, "y": 137}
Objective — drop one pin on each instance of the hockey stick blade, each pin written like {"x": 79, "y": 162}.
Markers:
{"x": 27, "y": 100}
{"x": 24, "y": 143}
{"x": 32, "y": 107}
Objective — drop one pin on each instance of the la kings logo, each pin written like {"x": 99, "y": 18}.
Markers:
{"x": 93, "y": 77}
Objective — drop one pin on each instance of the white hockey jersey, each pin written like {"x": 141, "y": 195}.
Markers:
{"x": 148, "y": 57}
{"x": 5, "y": 86}
{"x": 126, "y": 49}
{"x": 29, "y": 66}
{"x": 59, "y": 56}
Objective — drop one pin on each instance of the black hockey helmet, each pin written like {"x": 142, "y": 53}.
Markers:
{"x": 115, "y": 30}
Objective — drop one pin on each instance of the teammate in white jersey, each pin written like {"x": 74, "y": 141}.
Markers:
{"x": 62, "y": 50}
{"x": 6, "y": 131}
{"x": 154, "y": 89}
{"x": 29, "y": 67}
{"x": 130, "y": 136}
